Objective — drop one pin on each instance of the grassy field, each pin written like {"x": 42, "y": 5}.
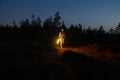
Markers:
{"x": 106, "y": 53}
{"x": 35, "y": 61}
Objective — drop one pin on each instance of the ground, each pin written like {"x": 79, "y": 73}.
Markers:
{"x": 34, "y": 61}
{"x": 104, "y": 53}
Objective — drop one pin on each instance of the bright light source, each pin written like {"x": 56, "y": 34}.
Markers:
{"x": 58, "y": 40}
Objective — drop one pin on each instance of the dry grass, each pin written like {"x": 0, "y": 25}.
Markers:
{"x": 102, "y": 53}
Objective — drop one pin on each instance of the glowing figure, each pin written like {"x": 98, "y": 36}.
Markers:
{"x": 61, "y": 38}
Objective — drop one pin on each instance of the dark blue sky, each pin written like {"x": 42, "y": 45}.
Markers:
{"x": 86, "y": 12}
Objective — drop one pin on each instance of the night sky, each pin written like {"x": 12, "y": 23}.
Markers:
{"x": 86, "y": 12}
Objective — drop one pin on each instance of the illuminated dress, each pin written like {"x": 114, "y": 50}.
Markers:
{"x": 61, "y": 38}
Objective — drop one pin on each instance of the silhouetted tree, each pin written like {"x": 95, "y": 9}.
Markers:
{"x": 14, "y": 23}
{"x": 33, "y": 29}
{"x": 101, "y": 30}
{"x": 47, "y": 25}
{"x": 36, "y": 28}
{"x": 57, "y": 19}
{"x": 117, "y": 29}
{"x": 111, "y": 30}
{"x": 48, "y": 29}
{"x": 25, "y": 29}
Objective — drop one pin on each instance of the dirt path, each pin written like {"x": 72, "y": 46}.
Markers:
{"x": 95, "y": 51}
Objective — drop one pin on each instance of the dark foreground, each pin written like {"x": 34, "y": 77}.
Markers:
{"x": 33, "y": 61}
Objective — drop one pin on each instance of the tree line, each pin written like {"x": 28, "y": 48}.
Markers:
{"x": 47, "y": 31}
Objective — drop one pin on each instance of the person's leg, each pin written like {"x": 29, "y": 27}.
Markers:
{"x": 60, "y": 43}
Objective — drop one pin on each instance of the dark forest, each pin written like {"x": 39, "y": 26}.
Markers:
{"x": 76, "y": 35}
